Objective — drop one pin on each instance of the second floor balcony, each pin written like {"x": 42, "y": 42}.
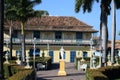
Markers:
{"x": 50, "y": 41}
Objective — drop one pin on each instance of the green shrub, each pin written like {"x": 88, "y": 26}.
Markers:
{"x": 104, "y": 73}
{"x": 13, "y": 70}
{"x": 6, "y": 70}
{"x": 112, "y": 72}
{"x": 94, "y": 74}
{"x": 23, "y": 75}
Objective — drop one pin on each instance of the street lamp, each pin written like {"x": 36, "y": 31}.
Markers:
{"x": 48, "y": 47}
{"x": 91, "y": 49}
{"x": 7, "y": 45}
{"x": 34, "y": 43}
{"x": 101, "y": 52}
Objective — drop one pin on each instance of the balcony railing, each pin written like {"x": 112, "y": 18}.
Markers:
{"x": 50, "y": 41}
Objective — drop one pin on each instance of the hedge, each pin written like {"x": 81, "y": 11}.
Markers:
{"x": 7, "y": 72}
{"x": 23, "y": 75}
{"x": 16, "y": 72}
{"x": 13, "y": 70}
{"x": 104, "y": 73}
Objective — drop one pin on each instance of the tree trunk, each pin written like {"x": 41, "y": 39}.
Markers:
{"x": 113, "y": 32}
{"x": 104, "y": 34}
{"x": 10, "y": 33}
{"x": 1, "y": 38}
{"x": 23, "y": 42}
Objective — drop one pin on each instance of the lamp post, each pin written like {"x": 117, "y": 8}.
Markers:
{"x": 48, "y": 47}
{"x": 91, "y": 49}
{"x": 101, "y": 50}
{"x": 34, "y": 43}
{"x": 7, "y": 52}
{"x": 7, "y": 43}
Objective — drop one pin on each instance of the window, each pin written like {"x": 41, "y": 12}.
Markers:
{"x": 72, "y": 56}
{"x": 58, "y": 35}
{"x": 85, "y": 54}
{"x": 64, "y": 55}
{"x": 78, "y": 35}
{"x": 36, "y": 34}
{"x": 15, "y": 34}
{"x": 31, "y": 51}
{"x": 18, "y": 52}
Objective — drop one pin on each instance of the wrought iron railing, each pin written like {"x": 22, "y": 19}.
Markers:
{"x": 51, "y": 41}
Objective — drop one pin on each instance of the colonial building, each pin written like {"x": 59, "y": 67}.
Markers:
{"x": 52, "y": 33}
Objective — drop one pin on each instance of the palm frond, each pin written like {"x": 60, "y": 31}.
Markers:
{"x": 78, "y": 4}
{"x": 117, "y": 2}
{"x": 105, "y": 5}
{"x": 86, "y": 5}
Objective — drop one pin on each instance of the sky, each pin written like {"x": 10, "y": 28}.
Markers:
{"x": 66, "y": 8}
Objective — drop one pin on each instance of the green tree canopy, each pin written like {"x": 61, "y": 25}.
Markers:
{"x": 105, "y": 7}
{"x": 21, "y": 10}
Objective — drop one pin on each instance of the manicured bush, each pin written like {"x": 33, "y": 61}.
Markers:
{"x": 13, "y": 71}
{"x": 112, "y": 72}
{"x": 23, "y": 75}
{"x": 6, "y": 69}
{"x": 16, "y": 72}
{"x": 94, "y": 74}
{"x": 104, "y": 73}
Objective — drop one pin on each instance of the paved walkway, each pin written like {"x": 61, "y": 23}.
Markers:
{"x": 72, "y": 73}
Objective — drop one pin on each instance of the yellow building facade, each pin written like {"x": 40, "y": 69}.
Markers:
{"x": 51, "y": 34}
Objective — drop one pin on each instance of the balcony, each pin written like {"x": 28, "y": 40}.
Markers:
{"x": 50, "y": 41}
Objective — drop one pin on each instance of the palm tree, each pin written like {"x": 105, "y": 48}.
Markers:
{"x": 1, "y": 37}
{"x": 22, "y": 10}
{"x": 9, "y": 17}
{"x": 113, "y": 31}
{"x": 87, "y": 6}
{"x": 114, "y": 6}
{"x": 105, "y": 11}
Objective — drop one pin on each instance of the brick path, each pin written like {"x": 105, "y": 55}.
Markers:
{"x": 72, "y": 73}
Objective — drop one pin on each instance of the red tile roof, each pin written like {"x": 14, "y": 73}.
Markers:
{"x": 117, "y": 44}
{"x": 54, "y": 23}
